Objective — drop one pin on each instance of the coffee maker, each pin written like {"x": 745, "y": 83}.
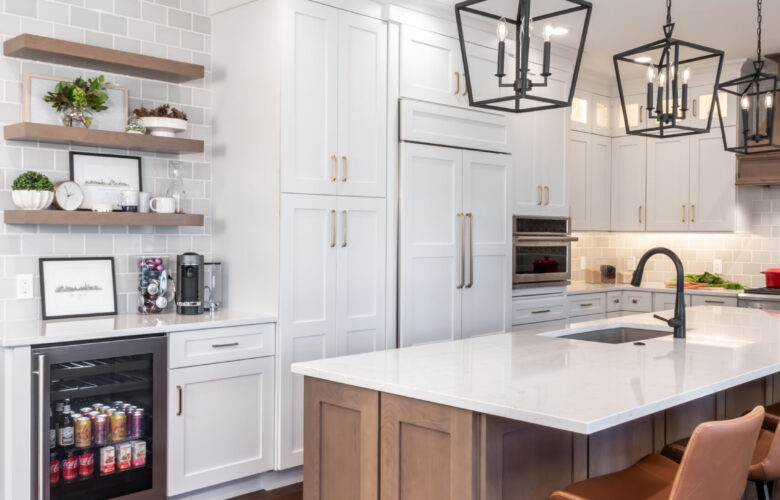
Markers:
{"x": 189, "y": 283}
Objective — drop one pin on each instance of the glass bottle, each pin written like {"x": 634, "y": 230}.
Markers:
{"x": 176, "y": 187}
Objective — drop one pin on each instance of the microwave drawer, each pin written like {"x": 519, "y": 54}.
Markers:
{"x": 587, "y": 304}
{"x": 526, "y": 310}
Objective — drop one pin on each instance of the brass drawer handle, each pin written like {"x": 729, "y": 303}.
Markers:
{"x": 344, "y": 159}
{"x": 586, "y": 305}
{"x": 462, "y": 251}
{"x": 635, "y": 301}
{"x": 546, "y": 195}
{"x": 470, "y": 217}
{"x": 457, "y": 79}
{"x": 683, "y": 213}
{"x": 540, "y": 312}
{"x": 693, "y": 213}
{"x": 640, "y": 214}
{"x": 695, "y": 109}
{"x": 540, "y": 196}
{"x": 616, "y": 301}
{"x": 714, "y": 302}
{"x": 178, "y": 388}
{"x": 217, "y": 346}
{"x": 334, "y": 159}
{"x": 465, "y": 87}
{"x": 641, "y": 114}
{"x": 344, "y": 214}
{"x": 333, "y": 233}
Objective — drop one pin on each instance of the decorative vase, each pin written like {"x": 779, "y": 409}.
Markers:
{"x": 163, "y": 126}
{"x": 176, "y": 187}
{"x": 74, "y": 117}
{"x": 32, "y": 200}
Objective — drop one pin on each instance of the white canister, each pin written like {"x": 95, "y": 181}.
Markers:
{"x": 143, "y": 202}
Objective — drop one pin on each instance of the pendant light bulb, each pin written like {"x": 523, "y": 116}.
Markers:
{"x": 745, "y": 102}
{"x": 769, "y": 100}
{"x": 548, "y": 32}
{"x": 650, "y": 73}
{"x": 662, "y": 79}
{"x": 686, "y": 75}
{"x": 502, "y": 30}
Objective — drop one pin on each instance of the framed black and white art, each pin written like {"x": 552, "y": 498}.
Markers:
{"x": 104, "y": 177}
{"x": 77, "y": 287}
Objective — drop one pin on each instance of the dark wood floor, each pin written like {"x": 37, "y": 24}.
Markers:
{"x": 292, "y": 492}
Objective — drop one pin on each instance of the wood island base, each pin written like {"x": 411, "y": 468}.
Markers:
{"x": 360, "y": 444}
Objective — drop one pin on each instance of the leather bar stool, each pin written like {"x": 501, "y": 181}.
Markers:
{"x": 772, "y": 418}
{"x": 714, "y": 468}
{"x": 765, "y": 463}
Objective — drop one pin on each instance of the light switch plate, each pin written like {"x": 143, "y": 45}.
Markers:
{"x": 583, "y": 263}
{"x": 24, "y": 286}
{"x": 717, "y": 266}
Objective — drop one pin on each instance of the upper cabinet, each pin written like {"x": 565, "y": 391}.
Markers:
{"x": 667, "y": 184}
{"x": 432, "y": 67}
{"x": 334, "y": 119}
{"x": 635, "y": 109}
{"x": 590, "y": 158}
{"x": 628, "y": 183}
{"x": 590, "y": 113}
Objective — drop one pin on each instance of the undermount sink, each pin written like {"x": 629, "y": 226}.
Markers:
{"x": 620, "y": 335}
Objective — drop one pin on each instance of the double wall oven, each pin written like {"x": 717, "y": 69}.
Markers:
{"x": 542, "y": 252}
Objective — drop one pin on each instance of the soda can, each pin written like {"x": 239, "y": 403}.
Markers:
{"x": 118, "y": 426}
{"x": 54, "y": 471}
{"x": 97, "y": 406}
{"x": 100, "y": 431}
{"x": 83, "y": 432}
{"x": 107, "y": 460}
{"x": 110, "y": 411}
{"x": 138, "y": 423}
{"x": 70, "y": 467}
{"x": 92, "y": 416}
{"x": 118, "y": 404}
{"x": 138, "y": 450}
{"x": 85, "y": 411}
{"x": 86, "y": 464}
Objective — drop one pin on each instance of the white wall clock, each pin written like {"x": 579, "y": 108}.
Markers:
{"x": 68, "y": 195}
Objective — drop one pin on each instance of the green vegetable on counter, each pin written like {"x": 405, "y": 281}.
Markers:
{"x": 713, "y": 280}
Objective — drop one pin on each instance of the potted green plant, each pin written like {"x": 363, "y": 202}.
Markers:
{"x": 162, "y": 121}
{"x": 79, "y": 99}
{"x": 32, "y": 191}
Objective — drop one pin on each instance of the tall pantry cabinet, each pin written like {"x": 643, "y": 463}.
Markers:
{"x": 301, "y": 139}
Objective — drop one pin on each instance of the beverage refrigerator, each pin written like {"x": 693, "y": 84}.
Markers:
{"x": 100, "y": 428}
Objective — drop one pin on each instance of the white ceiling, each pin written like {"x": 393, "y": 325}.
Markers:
{"x": 617, "y": 25}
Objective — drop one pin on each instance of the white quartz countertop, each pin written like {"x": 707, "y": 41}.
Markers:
{"x": 579, "y": 287}
{"x": 37, "y": 332}
{"x": 573, "y": 385}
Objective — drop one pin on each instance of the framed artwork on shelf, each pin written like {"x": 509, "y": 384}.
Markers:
{"x": 77, "y": 287}
{"x": 36, "y": 110}
{"x": 103, "y": 177}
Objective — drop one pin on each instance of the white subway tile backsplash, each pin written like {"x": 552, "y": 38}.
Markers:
{"x": 171, "y": 29}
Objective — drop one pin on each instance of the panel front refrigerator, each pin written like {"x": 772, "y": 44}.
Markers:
{"x": 100, "y": 420}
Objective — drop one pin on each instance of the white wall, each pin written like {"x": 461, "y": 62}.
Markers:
{"x": 176, "y": 29}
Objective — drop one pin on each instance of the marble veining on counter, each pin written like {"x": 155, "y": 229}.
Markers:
{"x": 38, "y": 332}
{"x": 573, "y": 385}
{"x": 581, "y": 287}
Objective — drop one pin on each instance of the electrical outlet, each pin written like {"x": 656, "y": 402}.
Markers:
{"x": 632, "y": 263}
{"x": 717, "y": 266}
{"x": 24, "y": 286}
{"x": 583, "y": 263}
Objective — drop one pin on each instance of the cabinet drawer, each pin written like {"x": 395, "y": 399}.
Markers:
{"x": 713, "y": 300}
{"x": 614, "y": 301}
{"x": 585, "y": 305}
{"x": 665, "y": 301}
{"x": 538, "y": 309}
{"x": 637, "y": 301}
{"x": 217, "y": 345}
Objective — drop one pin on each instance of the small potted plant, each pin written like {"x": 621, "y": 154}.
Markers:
{"x": 32, "y": 191}
{"x": 162, "y": 121}
{"x": 79, "y": 99}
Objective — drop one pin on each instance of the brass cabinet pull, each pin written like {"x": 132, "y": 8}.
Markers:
{"x": 333, "y": 234}
{"x": 457, "y": 79}
{"x": 714, "y": 302}
{"x": 344, "y": 179}
{"x": 640, "y": 214}
{"x": 178, "y": 388}
{"x": 540, "y": 312}
{"x": 462, "y": 251}
{"x": 634, "y": 301}
{"x": 693, "y": 213}
{"x": 586, "y": 305}
{"x": 344, "y": 214}
{"x": 540, "y": 197}
{"x": 616, "y": 301}
{"x": 683, "y": 213}
{"x": 465, "y": 87}
{"x": 546, "y": 195}
{"x": 695, "y": 109}
{"x": 335, "y": 161}
{"x": 470, "y": 217}
{"x": 217, "y": 346}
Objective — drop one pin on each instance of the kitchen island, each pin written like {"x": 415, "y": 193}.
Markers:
{"x": 518, "y": 415}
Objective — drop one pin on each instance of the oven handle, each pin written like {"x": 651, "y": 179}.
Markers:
{"x": 551, "y": 239}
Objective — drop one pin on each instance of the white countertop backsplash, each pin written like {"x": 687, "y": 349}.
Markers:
{"x": 37, "y": 332}
{"x": 573, "y": 385}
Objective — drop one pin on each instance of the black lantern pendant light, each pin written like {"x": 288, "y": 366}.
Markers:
{"x": 667, "y": 63}
{"x": 526, "y": 87}
{"x": 758, "y": 123}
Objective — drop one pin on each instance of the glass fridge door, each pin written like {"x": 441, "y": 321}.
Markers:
{"x": 102, "y": 420}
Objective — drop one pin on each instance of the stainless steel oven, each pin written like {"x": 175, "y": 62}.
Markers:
{"x": 542, "y": 251}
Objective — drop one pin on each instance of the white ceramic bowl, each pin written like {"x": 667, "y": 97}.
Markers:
{"x": 162, "y": 126}
{"x": 32, "y": 200}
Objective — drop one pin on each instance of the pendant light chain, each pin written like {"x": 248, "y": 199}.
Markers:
{"x": 758, "y": 31}
{"x": 669, "y": 11}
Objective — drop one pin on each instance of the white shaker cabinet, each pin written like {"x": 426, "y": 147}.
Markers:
{"x": 206, "y": 450}
{"x": 334, "y": 116}
{"x": 713, "y": 171}
{"x": 590, "y": 159}
{"x": 332, "y": 297}
{"x": 668, "y": 176}
{"x": 432, "y": 67}
{"x": 454, "y": 244}
{"x": 628, "y": 183}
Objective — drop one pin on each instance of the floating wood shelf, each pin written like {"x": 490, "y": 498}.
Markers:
{"x": 60, "y": 134}
{"x": 85, "y": 218}
{"x": 761, "y": 169}
{"x": 41, "y": 48}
